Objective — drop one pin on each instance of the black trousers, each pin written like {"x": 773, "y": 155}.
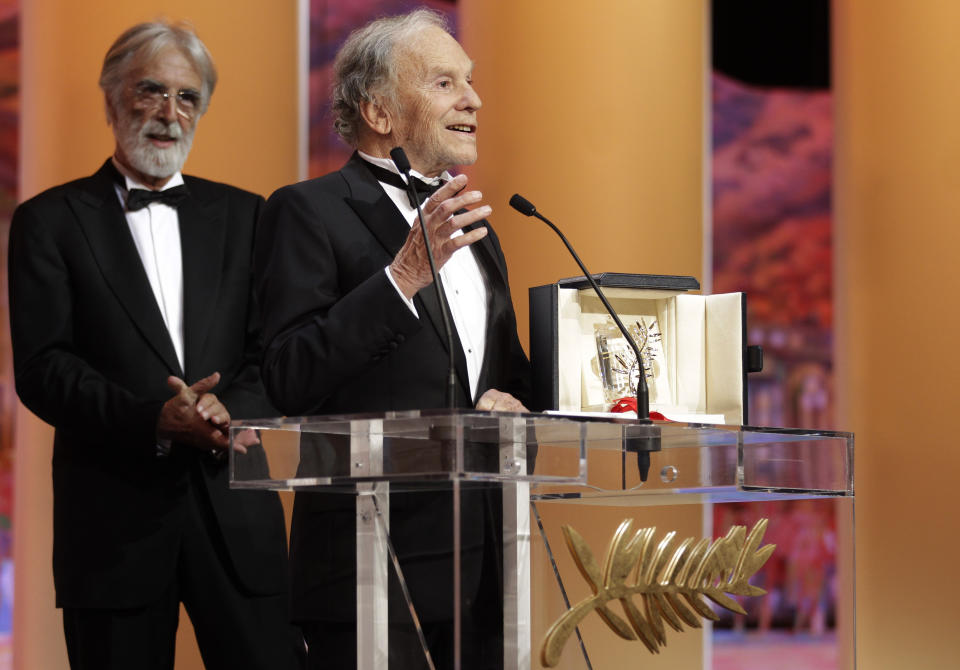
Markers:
{"x": 333, "y": 646}
{"x": 234, "y": 629}
{"x": 332, "y": 643}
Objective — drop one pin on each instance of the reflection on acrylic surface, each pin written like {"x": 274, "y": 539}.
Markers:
{"x": 798, "y": 614}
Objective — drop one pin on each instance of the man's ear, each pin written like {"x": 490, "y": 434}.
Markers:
{"x": 108, "y": 110}
{"x": 376, "y": 116}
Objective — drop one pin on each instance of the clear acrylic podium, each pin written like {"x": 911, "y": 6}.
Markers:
{"x": 547, "y": 471}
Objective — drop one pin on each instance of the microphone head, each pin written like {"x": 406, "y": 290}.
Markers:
{"x": 522, "y": 205}
{"x": 399, "y": 157}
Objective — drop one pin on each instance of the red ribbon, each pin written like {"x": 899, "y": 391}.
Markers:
{"x": 629, "y": 404}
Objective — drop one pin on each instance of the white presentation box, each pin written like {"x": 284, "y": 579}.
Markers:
{"x": 694, "y": 347}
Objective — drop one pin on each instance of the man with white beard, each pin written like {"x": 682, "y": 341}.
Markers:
{"x": 135, "y": 335}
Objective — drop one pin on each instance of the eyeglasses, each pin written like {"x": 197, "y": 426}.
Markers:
{"x": 153, "y": 95}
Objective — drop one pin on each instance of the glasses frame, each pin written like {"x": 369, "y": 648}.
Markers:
{"x": 150, "y": 94}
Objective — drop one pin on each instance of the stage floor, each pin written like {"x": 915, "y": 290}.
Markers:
{"x": 774, "y": 649}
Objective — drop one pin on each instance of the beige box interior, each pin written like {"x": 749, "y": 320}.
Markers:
{"x": 698, "y": 362}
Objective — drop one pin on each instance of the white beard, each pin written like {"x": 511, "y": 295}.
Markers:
{"x": 147, "y": 158}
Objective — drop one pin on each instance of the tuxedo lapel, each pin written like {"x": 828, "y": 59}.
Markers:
{"x": 203, "y": 227}
{"x": 374, "y": 207}
{"x": 380, "y": 215}
{"x": 428, "y": 302}
{"x": 486, "y": 256}
{"x": 499, "y": 300}
{"x": 100, "y": 216}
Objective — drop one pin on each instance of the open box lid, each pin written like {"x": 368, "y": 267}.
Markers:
{"x": 694, "y": 347}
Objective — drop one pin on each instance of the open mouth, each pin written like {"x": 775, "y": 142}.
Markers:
{"x": 463, "y": 128}
{"x": 162, "y": 139}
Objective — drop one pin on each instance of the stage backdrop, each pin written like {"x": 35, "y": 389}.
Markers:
{"x": 772, "y": 238}
{"x": 9, "y": 116}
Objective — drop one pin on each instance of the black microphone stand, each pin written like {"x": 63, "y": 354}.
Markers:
{"x": 524, "y": 206}
{"x": 643, "y": 446}
{"x": 400, "y": 160}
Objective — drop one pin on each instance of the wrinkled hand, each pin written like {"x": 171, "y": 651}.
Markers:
{"x": 195, "y": 416}
{"x": 493, "y": 400}
{"x": 411, "y": 268}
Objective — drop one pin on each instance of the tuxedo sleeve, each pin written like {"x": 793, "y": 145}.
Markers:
{"x": 318, "y": 333}
{"x": 241, "y": 390}
{"x": 54, "y": 382}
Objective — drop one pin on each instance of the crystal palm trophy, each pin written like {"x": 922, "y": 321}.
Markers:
{"x": 617, "y": 364}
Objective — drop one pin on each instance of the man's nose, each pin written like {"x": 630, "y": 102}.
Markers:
{"x": 470, "y": 99}
{"x": 168, "y": 108}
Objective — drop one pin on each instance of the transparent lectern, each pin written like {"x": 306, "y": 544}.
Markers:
{"x": 604, "y": 555}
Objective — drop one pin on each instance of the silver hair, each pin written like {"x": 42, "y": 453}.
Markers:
{"x": 365, "y": 69}
{"x": 143, "y": 42}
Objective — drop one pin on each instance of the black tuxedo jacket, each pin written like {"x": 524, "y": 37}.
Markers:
{"x": 340, "y": 339}
{"x": 91, "y": 357}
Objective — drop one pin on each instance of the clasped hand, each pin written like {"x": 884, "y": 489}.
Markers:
{"x": 411, "y": 267}
{"x": 196, "y": 417}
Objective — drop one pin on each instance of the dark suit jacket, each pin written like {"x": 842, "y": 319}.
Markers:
{"x": 340, "y": 339}
{"x": 91, "y": 357}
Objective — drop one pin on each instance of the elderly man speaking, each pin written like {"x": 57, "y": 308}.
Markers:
{"x": 352, "y": 323}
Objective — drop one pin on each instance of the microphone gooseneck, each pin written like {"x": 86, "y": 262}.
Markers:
{"x": 526, "y": 208}
{"x": 644, "y": 444}
{"x": 403, "y": 165}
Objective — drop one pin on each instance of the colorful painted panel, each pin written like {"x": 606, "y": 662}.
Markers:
{"x": 772, "y": 238}
{"x": 9, "y": 121}
{"x": 772, "y": 157}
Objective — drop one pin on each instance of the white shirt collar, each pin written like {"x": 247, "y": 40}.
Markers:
{"x": 175, "y": 180}
{"x": 388, "y": 164}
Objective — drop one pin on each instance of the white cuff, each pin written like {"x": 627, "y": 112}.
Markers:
{"x": 400, "y": 293}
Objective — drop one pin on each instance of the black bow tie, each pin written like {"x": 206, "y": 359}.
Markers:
{"x": 138, "y": 198}
{"x": 424, "y": 189}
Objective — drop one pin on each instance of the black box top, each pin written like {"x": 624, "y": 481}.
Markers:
{"x": 627, "y": 280}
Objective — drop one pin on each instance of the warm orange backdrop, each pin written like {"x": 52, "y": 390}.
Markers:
{"x": 597, "y": 116}
{"x": 897, "y": 210}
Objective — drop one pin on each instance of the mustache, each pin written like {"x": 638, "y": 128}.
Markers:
{"x": 154, "y": 127}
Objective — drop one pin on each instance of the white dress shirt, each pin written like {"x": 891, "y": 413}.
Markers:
{"x": 156, "y": 234}
{"x": 460, "y": 277}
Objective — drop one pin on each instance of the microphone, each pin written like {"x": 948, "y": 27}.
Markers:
{"x": 399, "y": 157}
{"x": 525, "y": 207}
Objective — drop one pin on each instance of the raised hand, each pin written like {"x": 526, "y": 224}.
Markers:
{"x": 411, "y": 267}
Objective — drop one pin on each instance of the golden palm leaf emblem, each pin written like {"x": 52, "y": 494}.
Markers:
{"x": 660, "y": 582}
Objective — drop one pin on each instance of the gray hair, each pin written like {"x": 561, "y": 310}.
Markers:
{"x": 143, "y": 42}
{"x": 365, "y": 69}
